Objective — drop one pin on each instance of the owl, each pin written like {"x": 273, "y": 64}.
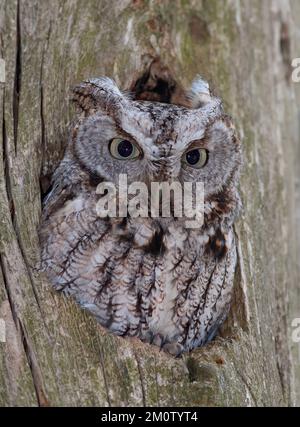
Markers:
{"x": 148, "y": 277}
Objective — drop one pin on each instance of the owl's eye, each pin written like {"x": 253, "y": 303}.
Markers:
{"x": 123, "y": 149}
{"x": 196, "y": 158}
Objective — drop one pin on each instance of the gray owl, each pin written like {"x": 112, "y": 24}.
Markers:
{"x": 147, "y": 277}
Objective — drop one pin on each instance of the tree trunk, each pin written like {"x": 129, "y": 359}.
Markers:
{"x": 53, "y": 353}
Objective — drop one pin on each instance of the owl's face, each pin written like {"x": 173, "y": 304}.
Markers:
{"x": 151, "y": 141}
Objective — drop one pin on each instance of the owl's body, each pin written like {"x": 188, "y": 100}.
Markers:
{"x": 153, "y": 278}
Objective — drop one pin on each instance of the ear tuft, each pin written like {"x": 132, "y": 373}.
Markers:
{"x": 199, "y": 93}
{"x": 96, "y": 93}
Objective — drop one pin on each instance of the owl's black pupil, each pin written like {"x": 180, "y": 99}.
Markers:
{"x": 193, "y": 157}
{"x": 125, "y": 148}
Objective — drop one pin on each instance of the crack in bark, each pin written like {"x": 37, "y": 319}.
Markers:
{"x": 42, "y": 115}
{"x": 141, "y": 378}
{"x": 8, "y": 187}
{"x": 281, "y": 363}
{"x": 1, "y": 46}
{"x": 104, "y": 377}
{"x": 240, "y": 297}
{"x": 27, "y": 346}
{"x": 17, "y": 79}
{"x": 5, "y": 281}
{"x": 6, "y": 165}
{"x": 34, "y": 368}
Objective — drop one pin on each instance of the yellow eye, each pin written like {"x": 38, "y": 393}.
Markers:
{"x": 123, "y": 149}
{"x": 196, "y": 158}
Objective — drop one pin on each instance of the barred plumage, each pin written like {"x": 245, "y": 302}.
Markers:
{"x": 147, "y": 277}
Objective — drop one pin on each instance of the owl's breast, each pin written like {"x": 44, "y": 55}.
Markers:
{"x": 137, "y": 278}
{"x": 192, "y": 291}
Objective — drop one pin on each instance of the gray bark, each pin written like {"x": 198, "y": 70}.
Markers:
{"x": 56, "y": 354}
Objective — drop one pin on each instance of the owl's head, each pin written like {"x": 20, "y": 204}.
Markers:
{"x": 155, "y": 141}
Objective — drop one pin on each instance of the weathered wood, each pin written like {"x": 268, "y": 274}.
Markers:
{"x": 294, "y": 310}
{"x": 55, "y": 354}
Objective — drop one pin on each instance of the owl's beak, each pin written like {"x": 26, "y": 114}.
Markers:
{"x": 165, "y": 169}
